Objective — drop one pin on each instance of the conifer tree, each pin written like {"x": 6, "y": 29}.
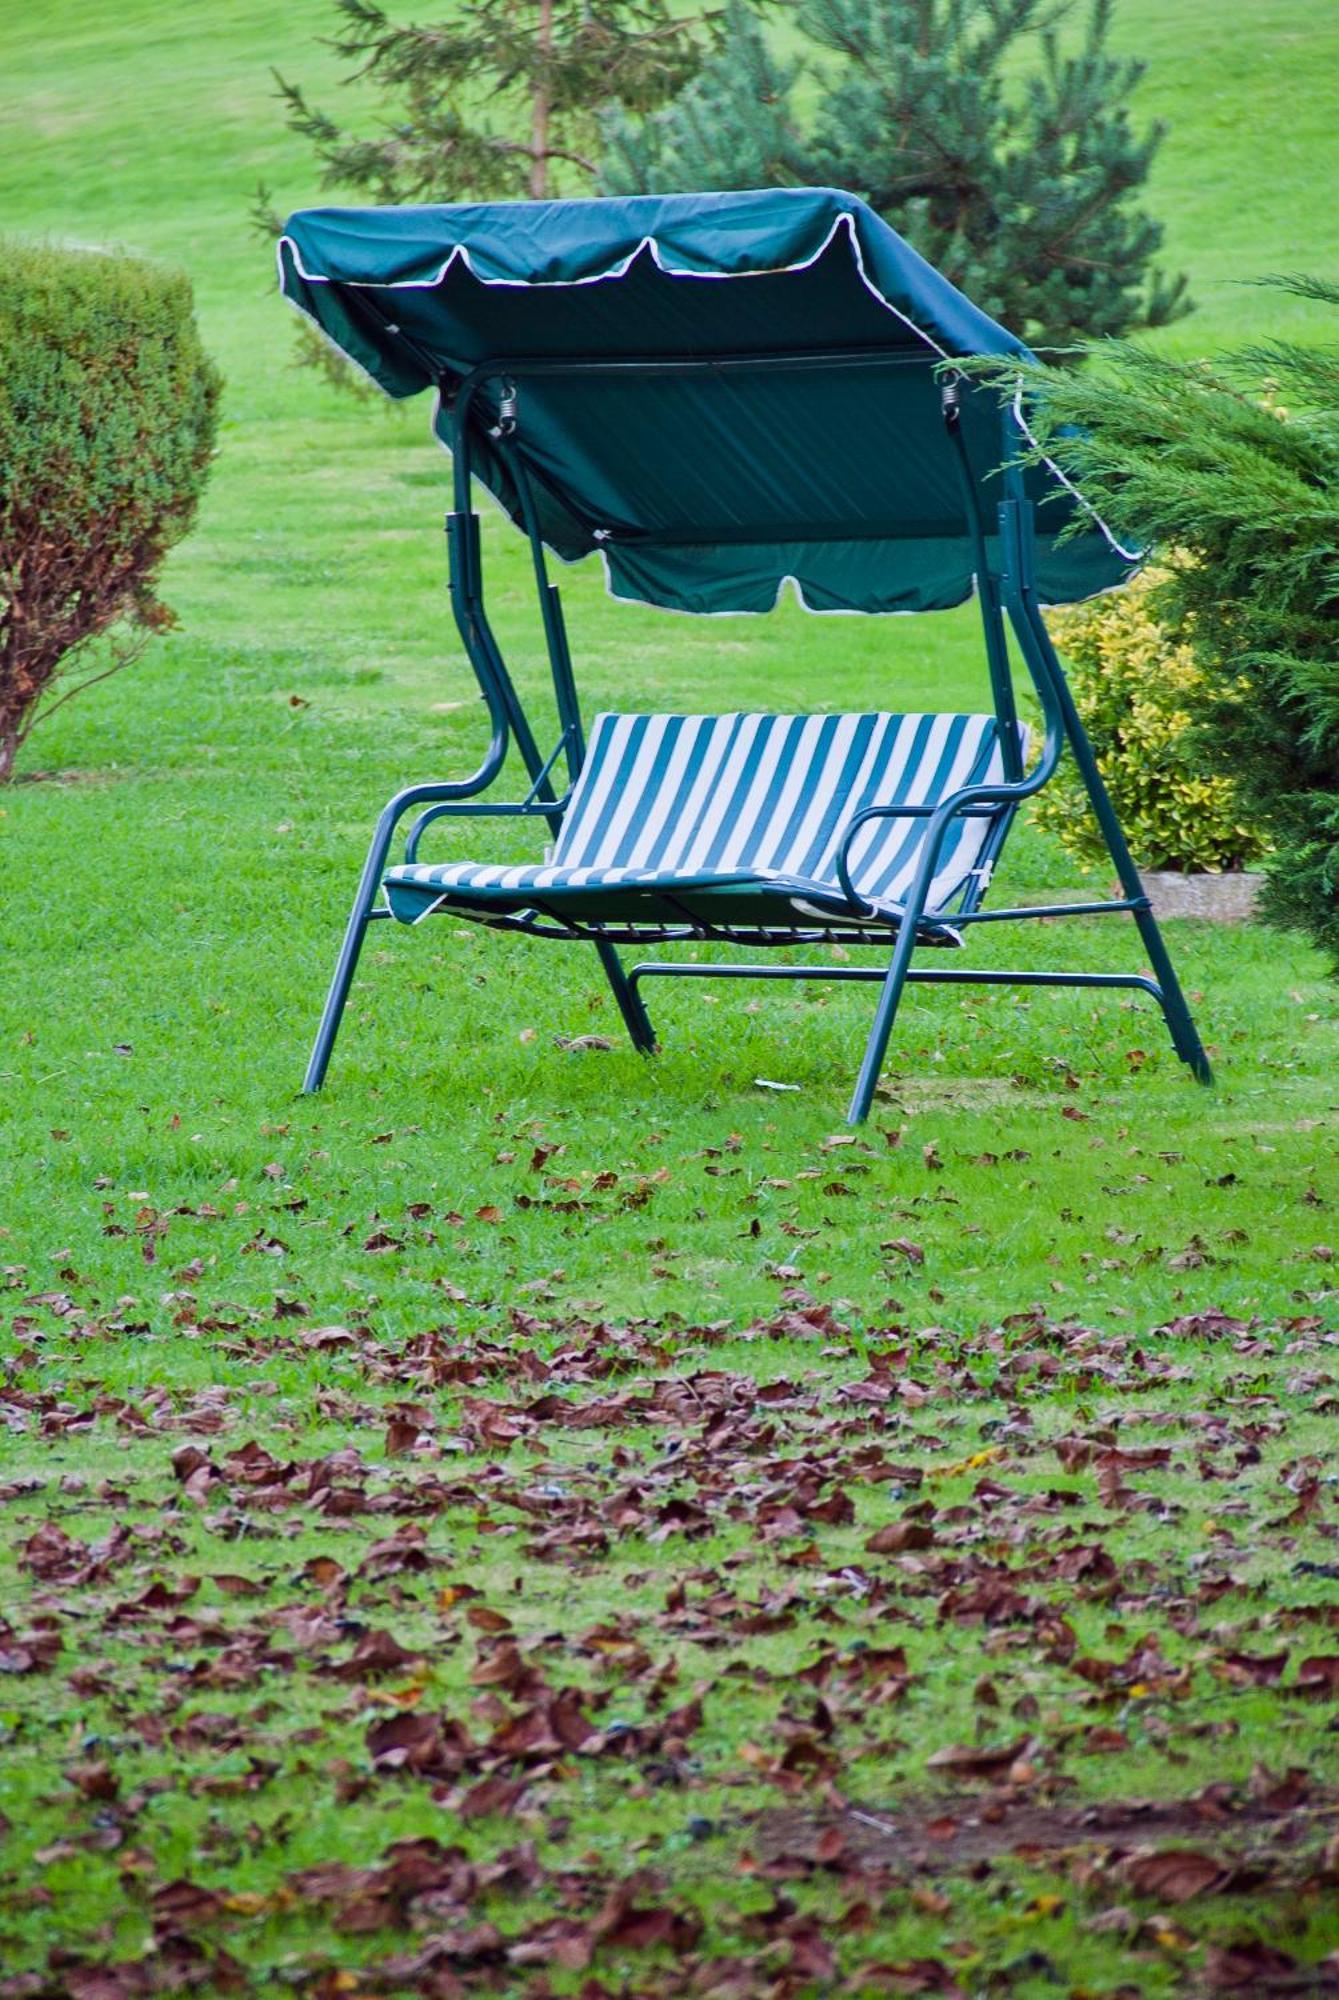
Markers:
{"x": 731, "y": 127}
{"x": 498, "y": 99}
{"x": 1016, "y": 179}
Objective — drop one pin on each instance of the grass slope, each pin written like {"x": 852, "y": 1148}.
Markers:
{"x": 488, "y": 1219}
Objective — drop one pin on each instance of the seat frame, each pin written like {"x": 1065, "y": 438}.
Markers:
{"x": 1007, "y": 601}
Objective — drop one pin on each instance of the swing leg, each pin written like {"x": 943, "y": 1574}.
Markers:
{"x": 635, "y": 1017}
{"x": 369, "y": 883}
{"x": 1180, "y": 1023}
{"x": 885, "y": 1014}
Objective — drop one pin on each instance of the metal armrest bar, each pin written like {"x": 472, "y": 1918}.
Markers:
{"x": 959, "y": 803}
{"x": 527, "y": 808}
{"x": 927, "y": 811}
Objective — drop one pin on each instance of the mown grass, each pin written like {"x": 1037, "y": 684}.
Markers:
{"x": 172, "y": 900}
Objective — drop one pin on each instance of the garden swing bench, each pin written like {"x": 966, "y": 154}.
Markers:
{"x": 721, "y": 394}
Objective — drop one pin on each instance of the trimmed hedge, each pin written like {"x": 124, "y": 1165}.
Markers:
{"x": 108, "y": 411}
{"x": 1139, "y": 689}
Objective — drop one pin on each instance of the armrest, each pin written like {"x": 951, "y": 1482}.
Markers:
{"x": 464, "y": 809}
{"x": 534, "y": 803}
{"x": 971, "y": 802}
{"x": 416, "y": 795}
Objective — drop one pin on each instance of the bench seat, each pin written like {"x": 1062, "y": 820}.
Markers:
{"x": 736, "y": 820}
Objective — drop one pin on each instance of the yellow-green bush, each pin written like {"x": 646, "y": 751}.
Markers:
{"x": 1138, "y": 688}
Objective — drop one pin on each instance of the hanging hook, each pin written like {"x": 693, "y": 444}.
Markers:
{"x": 506, "y": 413}
{"x": 949, "y": 400}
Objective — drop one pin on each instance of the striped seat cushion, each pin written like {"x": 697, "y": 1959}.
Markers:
{"x": 685, "y": 803}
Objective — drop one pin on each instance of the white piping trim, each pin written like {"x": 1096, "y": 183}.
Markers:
{"x": 460, "y": 252}
{"x": 310, "y": 319}
{"x": 1126, "y": 555}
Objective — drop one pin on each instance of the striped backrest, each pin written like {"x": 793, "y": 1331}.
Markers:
{"x": 706, "y": 795}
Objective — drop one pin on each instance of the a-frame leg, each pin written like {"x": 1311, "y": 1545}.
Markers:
{"x": 895, "y": 979}
{"x": 369, "y": 884}
{"x": 630, "y": 1005}
{"x": 1057, "y": 695}
{"x": 1180, "y": 1023}
{"x": 890, "y": 995}
{"x": 369, "y": 887}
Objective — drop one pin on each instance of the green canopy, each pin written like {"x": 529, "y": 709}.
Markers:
{"x": 778, "y": 414}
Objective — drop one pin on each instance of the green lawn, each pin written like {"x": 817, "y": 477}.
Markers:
{"x": 647, "y": 1352}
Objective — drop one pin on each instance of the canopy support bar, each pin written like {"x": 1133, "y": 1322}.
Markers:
{"x": 987, "y": 590}
{"x": 628, "y": 1001}
{"x": 551, "y": 611}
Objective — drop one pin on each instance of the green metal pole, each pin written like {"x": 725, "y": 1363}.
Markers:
{"x": 1042, "y": 659}
{"x": 628, "y": 1001}
{"x": 1180, "y": 1021}
{"x": 987, "y": 589}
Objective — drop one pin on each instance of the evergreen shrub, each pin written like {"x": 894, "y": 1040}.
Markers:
{"x": 1139, "y": 687}
{"x": 108, "y": 408}
{"x": 1231, "y": 467}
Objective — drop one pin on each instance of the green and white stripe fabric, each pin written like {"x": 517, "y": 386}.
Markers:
{"x": 685, "y": 805}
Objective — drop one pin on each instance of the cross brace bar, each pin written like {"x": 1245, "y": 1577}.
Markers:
{"x": 949, "y": 975}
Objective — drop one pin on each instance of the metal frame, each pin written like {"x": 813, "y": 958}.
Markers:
{"x": 1008, "y": 602}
